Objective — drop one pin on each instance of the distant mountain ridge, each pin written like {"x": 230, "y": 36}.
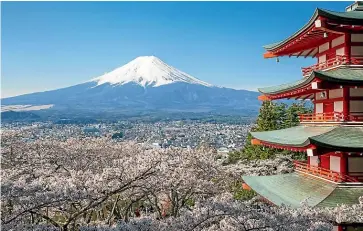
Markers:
{"x": 144, "y": 84}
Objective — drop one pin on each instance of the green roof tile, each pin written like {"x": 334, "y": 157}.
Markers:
{"x": 356, "y": 16}
{"x": 342, "y": 75}
{"x": 349, "y": 138}
{"x": 351, "y": 17}
{"x": 343, "y": 138}
{"x": 295, "y": 136}
{"x": 348, "y": 196}
{"x": 283, "y": 87}
{"x": 293, "y": 188}
{"x": 290, "y": 189}
{"x": 346, "y": 75}
{"x": 269, "y": 46}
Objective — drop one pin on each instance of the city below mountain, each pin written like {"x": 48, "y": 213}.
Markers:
{"x": 146, "y": 84}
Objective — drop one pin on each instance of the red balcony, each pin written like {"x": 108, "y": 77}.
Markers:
{"x": 355, "y": 117}
{"x": 336, "y": 61}
{"x": 322, "y": 117}
{"x": 323, "y": 173}
{"x": 331, "y": 117}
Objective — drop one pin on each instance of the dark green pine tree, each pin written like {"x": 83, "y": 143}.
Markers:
{"x": 292, "y": 119}
{"x": 272, "y": 116}
{"x": 292, "y": 112}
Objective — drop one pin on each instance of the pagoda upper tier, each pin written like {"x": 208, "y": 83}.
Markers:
{"x": 335, "y": 82}
{"x": 323, "y": 29}
{"x": 334, "y": 38}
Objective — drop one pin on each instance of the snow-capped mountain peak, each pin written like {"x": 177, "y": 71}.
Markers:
{"x": 147, "y": 71}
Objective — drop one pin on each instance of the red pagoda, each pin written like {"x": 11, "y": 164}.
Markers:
{"x": 331, "y": 136}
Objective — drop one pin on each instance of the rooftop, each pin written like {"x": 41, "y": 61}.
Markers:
{"x": 340, "y": 75}
{"x": 341, "y": 138}
{"x": 353, "y": 17}
{"x": 293, "y": 189}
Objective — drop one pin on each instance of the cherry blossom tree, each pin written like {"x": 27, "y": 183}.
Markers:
{"x": 64, "y": 182}
{"x": 224, "y": 213}
{"x": 100, "y": 184}
{"x": 80, "y": 181}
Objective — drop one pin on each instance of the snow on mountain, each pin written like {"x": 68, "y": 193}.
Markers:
{"x": 147, "y": 71}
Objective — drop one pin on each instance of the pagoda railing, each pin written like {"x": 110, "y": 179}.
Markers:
{"x": 337, "y": 60}
{"x": 331, "y": 117}
{"x": 323, "y": 172}
{"x": 322, "y": 117}
{"x": 358, "y": 116}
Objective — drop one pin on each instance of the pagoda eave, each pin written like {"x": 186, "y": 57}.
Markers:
{"x": 283, "y": 147}
{"x": 293, "y": 188}
{"x": 269, "y": 54}
{"x": 304, "y": 138}
{"x": 323, "y": 27}
{"x": 299, "y": 94}
{"x": 349, "y": 76}
{"x": 295, "y": 137}
{"x": 342, "y": 138}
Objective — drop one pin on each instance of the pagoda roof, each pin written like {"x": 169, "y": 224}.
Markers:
{"x": 341, "y": 137}
{"x": 347, "y": 138}
{"x": 284, "y": 87}
{"x": 350, "y": 18}
{"x": 292, "y": 189}
{"x": 340, "y": 75}
{"x": 295, "y": 136}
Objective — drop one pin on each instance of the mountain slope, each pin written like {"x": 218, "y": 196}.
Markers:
{"x": 147, "y": 71}
{"x": 146, "y": 83}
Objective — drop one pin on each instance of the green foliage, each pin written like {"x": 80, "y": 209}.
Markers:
{"x": 298, "y": 155}
{"x": 241, "y": 194}
{"x": 292, "y": 112}
{"x": 253, "y": 152}
{"x": 190, "y": 202}
{"x": 117, "y": 135}
{"x": 233, "y": 157}
{"x": 272, "y": 116}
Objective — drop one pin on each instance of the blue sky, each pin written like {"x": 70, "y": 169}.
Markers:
{"x": 49, "y": 45}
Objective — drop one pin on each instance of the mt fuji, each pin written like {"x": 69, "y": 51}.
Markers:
{"x": 144, "y": 84}
{"x": 147, "y": 71}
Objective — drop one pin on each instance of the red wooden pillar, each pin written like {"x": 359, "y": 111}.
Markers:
{"x": 343, "y": 163}
{"x": 325, "y": 161}
{"x": 347, "y": 52}
{"x": 347, "y": 47}
{"x": 346, "y": 103}
{"x": 314, "y": 102}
